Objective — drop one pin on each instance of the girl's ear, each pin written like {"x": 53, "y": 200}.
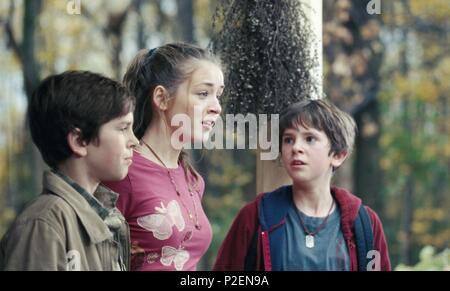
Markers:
{"x": 338, "y": 159}
{"x": 76, "y": 143}
{"x": 161, "y": 98}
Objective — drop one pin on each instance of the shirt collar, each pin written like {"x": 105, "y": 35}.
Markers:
{"x": 98, "y": 206}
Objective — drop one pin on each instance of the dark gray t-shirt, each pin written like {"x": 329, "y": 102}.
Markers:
{"x": 329, "y": 252}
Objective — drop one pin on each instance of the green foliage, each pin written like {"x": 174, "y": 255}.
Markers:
{"x": 415, "y": 128}
{"x": 230, "y": 184}
{"x": 429, "y": 261}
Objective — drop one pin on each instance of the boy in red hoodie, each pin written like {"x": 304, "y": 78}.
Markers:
{"x": 308, "y": 225}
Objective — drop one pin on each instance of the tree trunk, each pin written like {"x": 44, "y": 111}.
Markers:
{"x": 186, "y": 20}
{"x": 271, "y": 174}
{"x": 408, "y": 214}
{"x": 354, "y": 54}
{"x": 31, "y": 75}
{"x": 409, "y": 203}
{"x": 367, "y": 173}
{"x": 30, "y": 66}
{"x": 141, "y": 37}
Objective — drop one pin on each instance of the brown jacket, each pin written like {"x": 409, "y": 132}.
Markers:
{"x": 59, "y": 230}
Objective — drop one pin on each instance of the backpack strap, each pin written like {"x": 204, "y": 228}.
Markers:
{"x": 364, "y": 237}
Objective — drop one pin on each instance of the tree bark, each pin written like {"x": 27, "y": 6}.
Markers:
{"x": 31, "y": 70}
{"x": 185, "y": 11}
{"x": 141, "y": 36}
{"x": 408, "y": 214}
{"x": 25, "y": 51}
{"x": 271, "y": 174}
{"x": 354, "y": 54}
{"x": 367, "y": 173}
{"x": 409, "y": 197}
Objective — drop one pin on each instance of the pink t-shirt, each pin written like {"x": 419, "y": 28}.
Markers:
{"x": 163, "y": 235}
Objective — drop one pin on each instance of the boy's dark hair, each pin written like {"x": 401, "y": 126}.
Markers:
{"x": 73, "y": 99}
{"x": 339, "y": 126}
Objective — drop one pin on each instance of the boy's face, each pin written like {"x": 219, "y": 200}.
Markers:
{"x": 305, "y": 155}
{"x": 109, "y": 157}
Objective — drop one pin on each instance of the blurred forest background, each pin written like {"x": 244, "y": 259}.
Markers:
{"x": 390, "y": 70}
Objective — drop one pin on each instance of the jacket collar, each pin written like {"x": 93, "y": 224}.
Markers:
{"x": 349, "y": 205}
{"x": 274, "y": 206}
{"x": 94, "y": 225}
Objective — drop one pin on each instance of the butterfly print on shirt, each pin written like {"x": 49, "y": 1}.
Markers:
{"x": 161, "y": 222}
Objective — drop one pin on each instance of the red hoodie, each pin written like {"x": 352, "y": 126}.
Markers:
{"x": 233, "y": 252}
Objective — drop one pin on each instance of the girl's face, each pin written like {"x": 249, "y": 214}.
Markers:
{"x": 196, "y": 105}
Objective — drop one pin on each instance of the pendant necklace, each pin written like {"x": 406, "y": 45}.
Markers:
{"x": 192, "y": 217}
{"x": 309, "y": 239}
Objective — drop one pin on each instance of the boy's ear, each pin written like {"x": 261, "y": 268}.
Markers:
{"x": 76, "y": 143}
{"x": 161, "y": 98}
{"x": 338, "y": 159}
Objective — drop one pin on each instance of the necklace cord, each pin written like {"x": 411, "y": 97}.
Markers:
{"x": 172, "y": 180}
{"x": 319, "y": 228}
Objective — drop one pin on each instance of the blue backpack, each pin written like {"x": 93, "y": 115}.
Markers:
{"x": 363, "y": 238}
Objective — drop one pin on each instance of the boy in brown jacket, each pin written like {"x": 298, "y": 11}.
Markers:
{"x": 82, "y": 124}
